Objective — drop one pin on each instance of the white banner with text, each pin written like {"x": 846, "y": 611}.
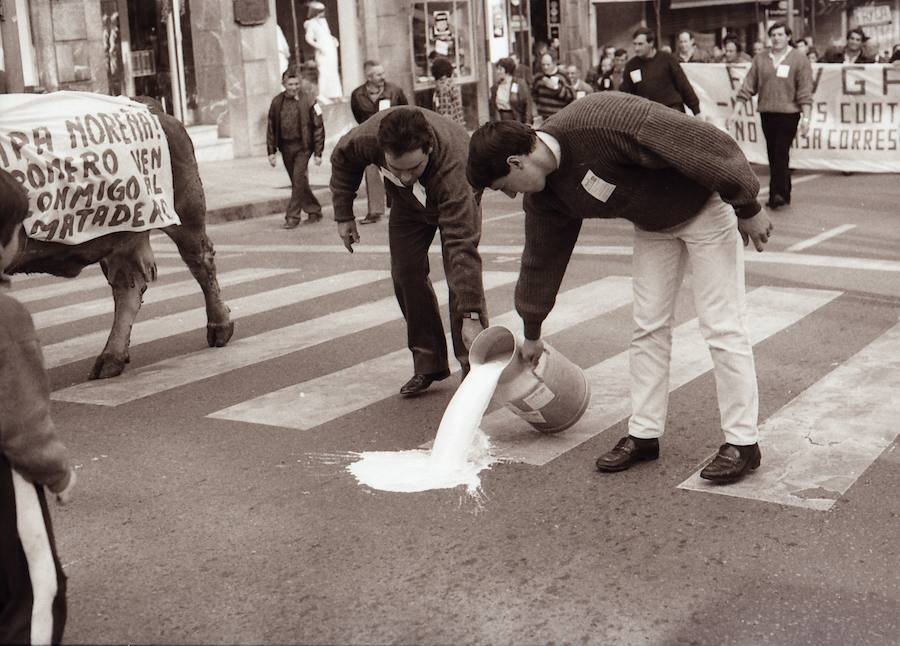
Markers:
{"x": 855, "y": 121}
{"x": 91, "y": 164}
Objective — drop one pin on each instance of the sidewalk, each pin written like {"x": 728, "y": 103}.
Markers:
{"x": 238, "y": 189}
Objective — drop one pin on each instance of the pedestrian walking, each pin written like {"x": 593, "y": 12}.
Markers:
{"x": 656, "y": 75}
{"x": 783, "y": 79}
{"x": 551, "y": 90}
{"x": 688, "y": 52}
{"x": 447, "y": 98}
{"x": 579, "y": 86}
{"x": 510, "y": 96}
{"x": 32, "y": 581}
{"x": 853, "y": 52}
{"x": 295, "y": 128}
{"x": 423, "y": 157}
{"x": 688, "y": 190}
{"x": 374, "y": 95}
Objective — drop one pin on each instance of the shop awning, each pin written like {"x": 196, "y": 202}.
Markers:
{"x": 689, "y": 4}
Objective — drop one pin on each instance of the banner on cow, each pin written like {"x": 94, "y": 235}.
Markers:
{"x": 855, "y": 121}
{"x": 91, "y": 164}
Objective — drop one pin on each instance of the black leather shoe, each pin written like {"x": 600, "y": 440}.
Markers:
{"x": 291, "y": 223}
{"x": 732, "y": 463}
{"x": 628, "y": 451}
{"x": 312, "y": 219}
{"x": 776, "y": 202}
{"x": 371, "y": 218}
{"x": 420, "y": 383}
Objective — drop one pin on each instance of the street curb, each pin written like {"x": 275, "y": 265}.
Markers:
{"x": 249, "y": 210}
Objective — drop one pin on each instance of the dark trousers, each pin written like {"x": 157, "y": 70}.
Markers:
{"x": 779, "y": 130}
{"x": 296, "y": 161}
{"x": 20, "y": 581}
{"x": 410, "y": 233}
{"x": 374, "y": 190}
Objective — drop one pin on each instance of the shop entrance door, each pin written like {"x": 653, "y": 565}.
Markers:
{"x": 162, "y": 61}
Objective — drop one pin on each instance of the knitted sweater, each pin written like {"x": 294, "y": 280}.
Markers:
{"x": 779, "y": 94}
{"x": 548, "y": 101}
{"x": 449, "y": 197}
{"x": 660, "y": 79}
{"x": 363, "y": 107}
{"x": 27, "y": 435}
{"x": 646, "y": 163}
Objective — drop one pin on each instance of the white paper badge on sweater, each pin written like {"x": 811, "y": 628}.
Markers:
{"x": 597, "y": 187}
{"x": 419, "y": 191}
{"x": 635, "y": 76}
{"x": 580, "y": 94}
{"x": 514, "y": 88}
{"x": 783, "y": 71}
{"x": 317, "y": 109}
{"x": 384, "y": 104}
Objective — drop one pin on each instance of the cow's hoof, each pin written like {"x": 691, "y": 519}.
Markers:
{"x": 108, "y": 365}
{"x": 219, "y": 334}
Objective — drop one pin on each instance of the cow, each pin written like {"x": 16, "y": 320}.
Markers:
{"x": 126, "y": 258}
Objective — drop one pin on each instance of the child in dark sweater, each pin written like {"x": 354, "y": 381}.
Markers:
{"x": 32, "y": 583}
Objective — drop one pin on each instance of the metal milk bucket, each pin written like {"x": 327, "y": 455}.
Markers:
{"x": 551, "y": 397}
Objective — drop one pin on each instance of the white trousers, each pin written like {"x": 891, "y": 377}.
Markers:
{"x": 712, "y": 244}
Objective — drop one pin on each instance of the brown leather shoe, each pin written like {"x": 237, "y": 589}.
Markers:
{"x": 732, "y": 463}
{"x": 312, "y": 219}
{"x": 371, "y": 218}
{"x": 626, "y": 452}
{"x": 291, "y": 223}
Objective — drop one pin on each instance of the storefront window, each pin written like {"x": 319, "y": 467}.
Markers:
{"x": 442, "y": 29}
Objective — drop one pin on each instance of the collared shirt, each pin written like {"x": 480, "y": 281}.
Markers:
{"x": 503, "y": 92}
{"x": 290, "y": 118}
{"x": 850, "y": 57}
{"x": 551, "y": 143}
{"x": 779, "y": 59}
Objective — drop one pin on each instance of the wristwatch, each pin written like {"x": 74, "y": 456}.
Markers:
{"x": 475, "y": 316}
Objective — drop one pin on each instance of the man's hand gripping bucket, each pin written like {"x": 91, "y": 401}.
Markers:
{"x": 551, "y": 397}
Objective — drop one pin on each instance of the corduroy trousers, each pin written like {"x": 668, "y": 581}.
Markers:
{"x": 711, "y": 246}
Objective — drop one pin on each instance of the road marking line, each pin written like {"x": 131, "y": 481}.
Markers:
{"x": 805, "y": 178}
{"x": 819, "y": 443}
{"x": 317, "y": 401}
{"x": 100, "y": 306}
{"x": 822, "y": 237}
{"x": 68, "y": 286}
{"x": 195, "y": 366}
{"x": 770, "y": 310}
{"x": 89, "y": 345}
{"x": 770, "y": 257}
{"x": 505, "y": 216}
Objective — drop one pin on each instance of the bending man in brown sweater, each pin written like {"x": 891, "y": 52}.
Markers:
{"x": 423, "y": 156}
{"x": 688, "y": 190}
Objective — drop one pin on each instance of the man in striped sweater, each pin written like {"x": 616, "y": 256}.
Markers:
{"x": 688, "y": 190}
{"x": 32, "y": 582}
{"x": 551, "y": 90}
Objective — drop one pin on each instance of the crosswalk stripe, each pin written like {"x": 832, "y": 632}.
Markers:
{"x": 68, "y": 286}
{"x": 179, "y": 371}
{"x": 771, "y": 309}
{"x": 100, "y": 306}
{"x": 768, "y": 257}
{"x": 822, "y": 237}
{"x": 818, "y": 444}
{"x": 320, "y": 400}
{"x": 89, "y": 345}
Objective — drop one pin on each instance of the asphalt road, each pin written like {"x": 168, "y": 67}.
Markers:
{"x": 209, "y": 510}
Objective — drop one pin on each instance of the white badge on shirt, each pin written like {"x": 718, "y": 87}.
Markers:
{"x": 783, "y": 71}
{"x": 419, "y": 191}
{"x": 635, "y": 76}
{"x": 391, "y": 177}
{"x": 317, "y": 109}
{"x": 599, "y": 189}
{"x": 580, "y": 94}
{"x": 514, "y": 88}
{"x": 384, "y": 104}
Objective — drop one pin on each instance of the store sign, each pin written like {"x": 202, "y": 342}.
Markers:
{"x": 251, "y": 12}
{"x": 91, "y": 164}
{"x": 877, "y": 23}
{"x": 855, "y": 113}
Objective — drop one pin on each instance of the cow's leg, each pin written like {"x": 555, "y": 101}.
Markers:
{"x": 197, "y": 251}
{"x": 128, "y": 270}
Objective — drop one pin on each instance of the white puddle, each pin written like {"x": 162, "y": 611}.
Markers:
{"x": 460, "y": 450}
